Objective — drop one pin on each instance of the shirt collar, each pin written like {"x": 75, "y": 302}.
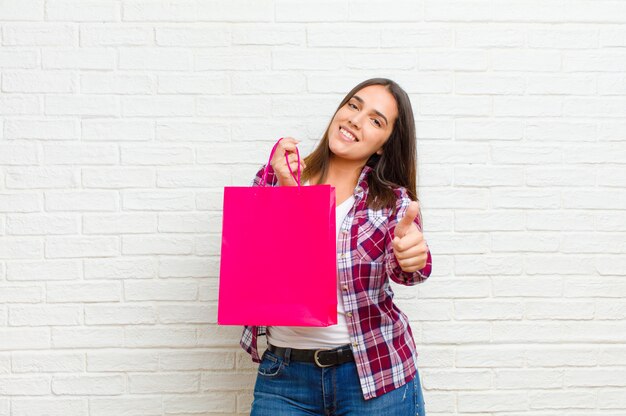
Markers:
{"x": 361, "y": 188}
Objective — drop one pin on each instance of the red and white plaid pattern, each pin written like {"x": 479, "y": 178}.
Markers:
{"x": 382, "y": 340}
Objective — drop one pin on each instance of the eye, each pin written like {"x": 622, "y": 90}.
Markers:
{"x": 351, "y": 105}
{"x": 378, "y": 123}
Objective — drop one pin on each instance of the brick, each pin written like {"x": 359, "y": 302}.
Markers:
{"x": 50, "y": 407}
{"x": 488, "y": 176}
{"x": 127, "y": 406}
{"x": 233, "y": 105}
{"x": 192, "y": 178}
{"x": 563, "y": 84}
{"x": 227, "y": 381}
{"x": 179, "y": 314}
{"x": 528, "y": 379}
{"x": 20, "y": 248}
{"x": 193, "y": 84}
{"x": 492, "y": 402}
{"x": 235, "y": 11}
{"x": 559, "y": 310}
{"x": 77, "y": 105}
{"x": 468, "y": 83}
{"x": 158, "y": 201}
{"x": 19, "y": 105}
{"x": 39, "y": 81}
{"x": 218, "y": 336}
{"x": 489, "y": 357}
{"x": 117, "y": 130}
{"x": 562, "y": 399}
{"x": 527, "y": 60}
{"x": 212, "y": 402}
{"x": 454, "y": 10}
{"x": 38, "y": 178}
{"x": 19, "y": 154}
{"x": 121, "y": 362}
{"x": 41, "y": 129}
{"x": 560, "y": 177}
{"x": 83, "y": 292}
{"x": 540, "y": 286}
{"x": 180, "y": 290}
{"x": 455, "y": 332}
{"x": 417, "y": 35}
{"x": 25, "y": 386}
{"x": 612, "y": 84}
{"x": 115, "y": 34}
{"x": 186, "y": 131}
{"x": 459, "y": 379}
{"x": 158, "y": 106}
{"x": 39, "y": 35}
{"x": 484, "y": 37}
{"x": 559, "y": 220}
{"x": 156, "y": 245}
{"x": 321, "y": 11}
{"x": 48, "y": 362}
{"x": 83, "y": 58}
{"x": 611, "y": 131}
{"x": 116, "y": 84}
{"x": 495, "y": 263}
{"x": 594, "y": 60}
{"x": 528, "y": 106}
{"x": 82, "y": 11}
{"x": 77, "y": 247}
{"x": 190, "y": 223}
{"x": 455, "y": 105}
{"x": 611, "y": 287}
{"x": 99, "y": 337}
{"x": 277, "y": 34}
{"x": 82, "y": 201}
{"x": 119, "y": 224}
{"x": 89, "y": 154}
{"x": 612, "y": 36}
{"x": 555, "y": 38}
{"x": 88, "y": 385}
{"x": 275, "y": 83}
{"x": 196, "y": 360}
{"x": 23, "y": 59}
{"x": 526, "y": 198}
{"x": 347, "y": 35}
{"x": 137, "y": 336}
{"x": 24, "y": 10}
{"x": 210, "y": 36}
{"x": 538, "y": 130}
{"x": 188, "y": 267}
{"x": 123, "y": 268}
{"x": 164, "y": 383}
{"x": 21, "y": 294}
{"x": 44, "y": 270}
{"x": 12, "y": 339}
{"x": 20, "y": 202}
{"x": 119, "y": 315}
{"x": 481, "y": 129}
{"x": 525, "y": 154}
{"x": 35, "y": 315}
{"x": 155, "y": 59}
{"x": 118, "y": 178}
{"x": 37, "y": 224}
{"x": 156, "y": 155}
{"x": 311, "y": 60}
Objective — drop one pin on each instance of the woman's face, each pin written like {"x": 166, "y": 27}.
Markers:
{"x": 362, "y": 126}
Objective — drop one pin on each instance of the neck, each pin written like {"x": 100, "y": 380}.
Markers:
{"x": 344, "y": 172}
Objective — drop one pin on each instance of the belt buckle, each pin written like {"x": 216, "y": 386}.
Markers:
{"x": 316, "y": 359}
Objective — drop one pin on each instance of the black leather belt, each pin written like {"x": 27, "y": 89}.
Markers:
{"x": 322, "y": 358}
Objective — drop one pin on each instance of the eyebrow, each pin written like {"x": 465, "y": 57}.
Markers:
{"x": 359, "y": 99}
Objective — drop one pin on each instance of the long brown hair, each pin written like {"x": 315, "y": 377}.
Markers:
{"x": 396, "y": 167}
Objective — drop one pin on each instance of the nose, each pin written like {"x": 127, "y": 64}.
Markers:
{"x": 355, "y": 121}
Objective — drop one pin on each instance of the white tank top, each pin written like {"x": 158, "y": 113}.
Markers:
{"x": 317, "y": 337}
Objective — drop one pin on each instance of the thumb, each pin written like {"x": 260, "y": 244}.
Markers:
{"x": 404, "y": 225}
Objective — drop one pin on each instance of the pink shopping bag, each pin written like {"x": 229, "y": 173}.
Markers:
{"x": 278, "y": 261}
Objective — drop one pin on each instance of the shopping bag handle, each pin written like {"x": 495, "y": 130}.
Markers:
{"x": 296, "y": 178}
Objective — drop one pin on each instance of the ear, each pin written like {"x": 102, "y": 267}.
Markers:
{"x": 379, "y": 151}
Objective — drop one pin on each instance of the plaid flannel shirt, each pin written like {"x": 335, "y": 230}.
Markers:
{"x": 382, "y": 341}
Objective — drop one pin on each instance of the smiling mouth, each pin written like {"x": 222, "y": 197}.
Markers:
{"x": 347, "y": 135}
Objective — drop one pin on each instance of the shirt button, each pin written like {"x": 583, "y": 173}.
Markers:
{"x": 345, "y": 287}
{"x": 349, "y": 314}
{"x": 343, "y": 255}
{"x": 355, "y": 344}
{"x": 358, "y": 190}
{"x": 344, "y": 231}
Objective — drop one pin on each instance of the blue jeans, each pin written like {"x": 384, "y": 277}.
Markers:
{"x": 298, "y": 388}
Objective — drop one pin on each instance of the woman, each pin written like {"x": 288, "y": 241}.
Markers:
{"x": 366, "y": 364}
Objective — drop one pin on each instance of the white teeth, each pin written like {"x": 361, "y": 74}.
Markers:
{"x": 347, "y": 134}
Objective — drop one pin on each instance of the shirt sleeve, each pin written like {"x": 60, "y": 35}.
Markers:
{"x": 393, "y": 269}
{"x": 272, "y": 180}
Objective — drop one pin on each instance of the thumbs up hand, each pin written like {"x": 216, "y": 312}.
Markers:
{"x": 408, "y": 243}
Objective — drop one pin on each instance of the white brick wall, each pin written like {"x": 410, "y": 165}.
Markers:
{"x": 121, "y": 121}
